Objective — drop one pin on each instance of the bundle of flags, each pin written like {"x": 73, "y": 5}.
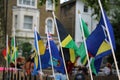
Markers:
{"x": 45, "y": 58}
{"x": 98, "y": 44}
{"x": 10, "y": 53}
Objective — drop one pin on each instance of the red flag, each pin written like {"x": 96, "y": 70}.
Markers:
{"x": 4, "y": 53}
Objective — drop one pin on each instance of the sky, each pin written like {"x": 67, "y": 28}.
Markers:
{"x": 61, "y": 1}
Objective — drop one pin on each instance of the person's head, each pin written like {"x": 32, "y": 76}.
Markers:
{"x": 79, "y": 77}
{"x": 108, "y": 65}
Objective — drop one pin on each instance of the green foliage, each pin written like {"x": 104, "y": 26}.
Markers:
{"x": 95, "y": 5}
{"x": 26, "y": 48}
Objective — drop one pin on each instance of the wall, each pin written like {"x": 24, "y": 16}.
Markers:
{"x": 68, "y": 17}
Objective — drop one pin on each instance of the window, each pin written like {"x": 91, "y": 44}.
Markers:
{"x": 16, "y": 17}
{"x": 85, "y": 8}
{"x": 27, "y": 3}
{"x": 49, "y": 5}
{"x": 28, "y": 20}
{"x": 50, "y": 25}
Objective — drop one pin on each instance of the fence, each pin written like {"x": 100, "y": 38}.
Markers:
{"x": 21, "y": 76}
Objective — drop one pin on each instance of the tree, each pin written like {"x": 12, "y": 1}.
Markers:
{"x": 95, "y": 6}
{"x": 26, "y": 48}
{"x": 116, "y": 22}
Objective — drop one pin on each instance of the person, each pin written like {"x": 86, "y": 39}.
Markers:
{"x": 57, "y": 76}
{"x": 40, "y": 75}
{"x": 69, "y": 66}
{"x": 80, "y": 74}
{"x": 84, "y": 70}
{"x": 107, "y": 70}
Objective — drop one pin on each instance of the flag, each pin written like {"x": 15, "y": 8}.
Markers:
{"x": 36, "y": 65}
{"x": 69, "y": 54}
{"x": 44, "y": 61}
{"x": 105, "y": 48}
{"x": 66, "y": 39}
{"x": 94, "y": 41}
{"x": 43, "y": 54}
{"x": 14, "y": 51}
{"x": 83, "y": 56}
{"x": 95, "y": 65}
{"x": 40, "y": 43}
{"x": 102, "y": 45}
{"x": 4, "y": 53}
{"x": 56, "y": 58}
{"x": 69, "y": 59}
{"x": 85, "y": 29}
{"x": 45, "y": 58}
{"x": 6, "y": 56}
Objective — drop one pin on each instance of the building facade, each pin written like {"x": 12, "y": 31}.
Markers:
{"x": 2, "y": 23}
{"x": 2, "y": 29}
{"x": 24, "y": 15}
{"x": 70, "y": 11}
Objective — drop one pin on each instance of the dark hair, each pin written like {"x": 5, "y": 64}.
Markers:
{"x": 79, "y": 76}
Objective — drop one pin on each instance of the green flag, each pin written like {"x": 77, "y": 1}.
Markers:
{"x": 85, "y": 29}
{"x": 8, "y": 55}
{"x": 93, "y": 66}
{"x": 82, "y": 54}
{"x": 14, "y": 51}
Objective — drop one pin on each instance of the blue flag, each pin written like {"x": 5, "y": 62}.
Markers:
{"x": 98, "y": 43}
{"x": 95, "y": 65}
{"x": 44, "y": 61}
{"x": 43, "y": 56}
{"x": 56, "y": 58}
{"x": 95, "y": 40}
{"x": 104, "y": 48}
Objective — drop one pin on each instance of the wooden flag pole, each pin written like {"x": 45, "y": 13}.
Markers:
{"x": 108, "y": 33}
{"x": 60, "y": 45}
{"x": 81, "y": 25}
{"x": 51, "y": 59}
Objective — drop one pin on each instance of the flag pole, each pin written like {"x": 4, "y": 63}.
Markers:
{"x": 111, "y": 45}
{"x": 15, "y": 51}
{"x": 50, "y": 54}
{"x": 60, "y": 45}
{"x": 81, "y": 25}
{"x": 7, "y": 53}
{"x": 38, "y": 50}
